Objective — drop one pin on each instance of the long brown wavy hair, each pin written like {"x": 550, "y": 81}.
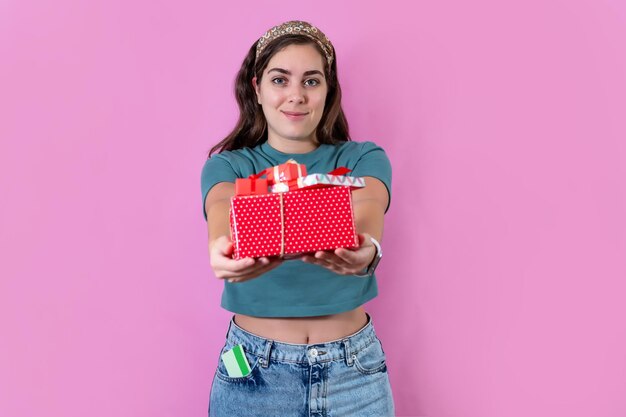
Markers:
{"x": 251, "y": 128}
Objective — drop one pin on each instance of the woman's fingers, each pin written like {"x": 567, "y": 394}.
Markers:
{"x": 225, "y": 267}
{"x": 361, "y": 255}
{"x": 344, "y": 261}
{"x": 333, "y": 263}
{"x": 349, "y": 256}
{"x": 261, "y": 270}
{"x": 312, "y": 259}
{"x": 332, "y": 259}
{"x": 231, "y": 266}
{"x": 231, "y": 271}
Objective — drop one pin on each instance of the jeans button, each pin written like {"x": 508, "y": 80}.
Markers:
{"x": 313, "y": 352}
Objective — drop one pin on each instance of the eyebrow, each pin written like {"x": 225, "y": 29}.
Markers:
{"x": 284, "y": 71}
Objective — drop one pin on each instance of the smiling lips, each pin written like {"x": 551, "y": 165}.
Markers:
{"x": 292, "y": 115}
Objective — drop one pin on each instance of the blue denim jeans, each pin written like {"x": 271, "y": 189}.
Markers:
{"x": 339, "y": 378}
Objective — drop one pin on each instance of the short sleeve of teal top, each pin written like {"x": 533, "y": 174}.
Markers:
{"x": 297, "y": 289}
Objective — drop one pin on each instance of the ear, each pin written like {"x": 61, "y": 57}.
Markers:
{"x": 256, "y": 89}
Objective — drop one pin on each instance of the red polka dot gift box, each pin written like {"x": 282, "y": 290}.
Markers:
{"x": 293, "y": 222}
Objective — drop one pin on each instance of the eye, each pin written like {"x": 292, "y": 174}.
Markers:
{"x": 278, "y": 79}
{"x": 316, "y": 82}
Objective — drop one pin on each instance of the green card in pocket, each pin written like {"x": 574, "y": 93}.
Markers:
{"x": 236, "y": 362}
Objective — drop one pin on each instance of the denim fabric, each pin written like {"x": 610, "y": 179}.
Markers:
{"x": 339, "y": 378}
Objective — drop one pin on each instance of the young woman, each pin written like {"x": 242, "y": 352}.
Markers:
{"x": 311, "y": 346}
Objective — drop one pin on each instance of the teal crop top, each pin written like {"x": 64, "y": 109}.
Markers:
{"x": 295, "y": 288}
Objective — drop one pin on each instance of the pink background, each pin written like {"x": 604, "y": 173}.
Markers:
{"x": 502, "y": 288}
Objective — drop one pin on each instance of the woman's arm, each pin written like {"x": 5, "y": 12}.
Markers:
{"x": 221, "y": 248}
{"x": 369, "y": 205}
{"x": 217, "y": 205}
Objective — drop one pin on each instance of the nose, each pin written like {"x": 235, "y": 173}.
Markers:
{"x": 297, "y": 94}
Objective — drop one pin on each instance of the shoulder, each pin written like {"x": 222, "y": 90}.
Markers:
{"x": 370, "y": 159}
{"x": 363, "y": 150}
{"x": 352, "y": 151}
{"x": 357, "y": 156}
{"x": 240, "y": 161}
{"x": 356, "y": 150}
{"x": 359, "y": 146}
{"x": 234, "y": 156}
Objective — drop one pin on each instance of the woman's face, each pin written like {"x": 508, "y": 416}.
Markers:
{"x": 292, "y": 93}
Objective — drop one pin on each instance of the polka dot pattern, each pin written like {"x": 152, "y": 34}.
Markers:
{"x": 255, "y": 225}
{"x": 319, "y": 219}
{"x": 315, "y": 219}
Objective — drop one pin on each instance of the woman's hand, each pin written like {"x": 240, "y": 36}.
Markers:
{"x": 225, "y": 267}
{"x": 345, "y": 261}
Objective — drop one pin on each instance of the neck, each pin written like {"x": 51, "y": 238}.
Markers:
{"x": 293, "y": 146}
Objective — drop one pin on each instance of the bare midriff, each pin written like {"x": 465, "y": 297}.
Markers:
{"x": 304, "y": 330}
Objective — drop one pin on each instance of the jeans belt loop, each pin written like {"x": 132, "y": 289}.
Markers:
{"x": 265, "y": 362}
{"x": 346, "y": 345}
{"x": 230, "y": 324}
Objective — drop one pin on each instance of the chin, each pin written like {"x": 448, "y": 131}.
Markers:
{"x": 298, "y": 136}
{"x": 301, "y": 138}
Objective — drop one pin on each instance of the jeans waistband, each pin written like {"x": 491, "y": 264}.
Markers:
{"x": 344, "y": 348}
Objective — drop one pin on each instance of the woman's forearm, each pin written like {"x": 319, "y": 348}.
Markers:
{"x": 219, "y": 223}
{"x": 368, "y": 218}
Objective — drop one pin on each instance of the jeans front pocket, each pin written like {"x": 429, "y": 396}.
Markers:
{"x": 222, "y": 373}
{"x": 371, "y": 359}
